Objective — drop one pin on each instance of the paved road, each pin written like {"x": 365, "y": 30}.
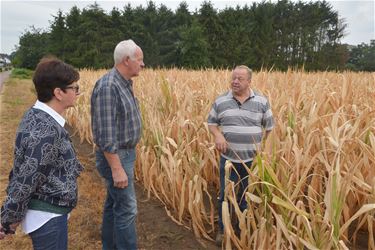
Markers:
{"x": 3, "y": 77}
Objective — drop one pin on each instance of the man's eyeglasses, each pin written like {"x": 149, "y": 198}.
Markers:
{"x": 75, "y": 88}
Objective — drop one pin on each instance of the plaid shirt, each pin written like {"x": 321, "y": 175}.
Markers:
{"x": 115, "y": 116}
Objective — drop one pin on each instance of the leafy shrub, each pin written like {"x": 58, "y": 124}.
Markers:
{"x": 21, "y": 73}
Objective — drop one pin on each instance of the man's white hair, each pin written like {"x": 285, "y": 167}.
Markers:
{"x": 124, "y": 49}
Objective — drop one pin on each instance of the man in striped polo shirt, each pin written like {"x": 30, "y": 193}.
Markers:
{"x": 239, "y": 120}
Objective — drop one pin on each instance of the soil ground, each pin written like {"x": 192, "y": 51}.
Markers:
{"x": 155, "y": 229}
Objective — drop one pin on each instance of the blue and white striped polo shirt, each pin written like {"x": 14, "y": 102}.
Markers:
{"x": 241, "y": 125}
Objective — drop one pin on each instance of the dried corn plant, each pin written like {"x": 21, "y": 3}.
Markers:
{"x": 311, "y": 181}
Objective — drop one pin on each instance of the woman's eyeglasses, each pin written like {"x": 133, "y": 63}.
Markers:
{"x": 76, "y": 88}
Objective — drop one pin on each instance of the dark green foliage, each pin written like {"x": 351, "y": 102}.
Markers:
{"x": 32, "y": 47}
{"x": 57, "y": 36}
{"x": 269, "y": 35}
{"x": 213, "y": 33}
{"x": 362, "y": 57}
{"x": 21, "y": 73}
{"x": 193, "y": 48}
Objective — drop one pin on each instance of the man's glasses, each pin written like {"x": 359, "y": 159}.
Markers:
{"x": 76, "y": 88}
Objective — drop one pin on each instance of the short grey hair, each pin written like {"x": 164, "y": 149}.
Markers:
{"x": 123, "y": 49}
{"x": 249, "y": 71}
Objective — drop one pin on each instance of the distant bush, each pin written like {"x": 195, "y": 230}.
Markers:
{"x": 21, "y": 73}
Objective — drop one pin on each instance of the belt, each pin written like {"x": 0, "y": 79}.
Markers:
{"x": 97, "y": 148}
{"x": 126, "y": 147}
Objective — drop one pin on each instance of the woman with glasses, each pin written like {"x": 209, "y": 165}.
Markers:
{"x": 42, "y": 187}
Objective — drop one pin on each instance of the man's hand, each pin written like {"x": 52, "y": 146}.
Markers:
{"x": 120, "y": 178}
{"x": 220, "y": 143}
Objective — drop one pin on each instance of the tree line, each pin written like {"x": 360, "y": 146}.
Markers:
{"x": 262, "y": 35}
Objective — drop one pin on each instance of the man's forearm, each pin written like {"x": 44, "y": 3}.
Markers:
{"x": 120, "y": 178}
{"x": 214, "y": 130}
{"x": 113, "y": 160}
{"x": 220, "y": 142}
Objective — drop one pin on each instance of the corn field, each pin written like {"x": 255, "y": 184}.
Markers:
{"x": 312, "y": 186}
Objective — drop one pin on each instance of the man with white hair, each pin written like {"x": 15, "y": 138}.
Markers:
{"x": 116, "y": 125}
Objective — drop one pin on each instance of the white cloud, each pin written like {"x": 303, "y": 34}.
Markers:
{"x": 360, "y": 17}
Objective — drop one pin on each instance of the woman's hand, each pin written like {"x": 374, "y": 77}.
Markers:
{"x": 9, "y": 230}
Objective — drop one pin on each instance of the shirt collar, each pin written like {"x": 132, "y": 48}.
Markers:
{"x": 251, "y": 93}
{"x": 44, "y": 107}
{"x": 127, "y": 82}
{"x": 230, "y": 93}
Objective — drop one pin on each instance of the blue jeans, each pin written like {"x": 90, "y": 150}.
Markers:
{"x": 51, "y": 236}
{"x": 239, "y": 176}
{"x": 120, "y": 207}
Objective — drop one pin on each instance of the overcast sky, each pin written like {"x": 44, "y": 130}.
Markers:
{"x": 18, "y": 16}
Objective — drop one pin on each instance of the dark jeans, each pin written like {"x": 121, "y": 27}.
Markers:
{"x": 239, "y": 176}
{"x": 51, "y": 236}
{"x": 120, "y": 207}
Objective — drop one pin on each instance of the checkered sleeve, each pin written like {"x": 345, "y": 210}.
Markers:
{"x": 103, "y": 113}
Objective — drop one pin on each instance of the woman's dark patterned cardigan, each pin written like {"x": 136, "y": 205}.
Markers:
{"x": 45, "y": 168}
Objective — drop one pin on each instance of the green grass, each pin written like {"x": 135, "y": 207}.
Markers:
{"x": 21, "y": 73}
{"x": 15, "y": 102}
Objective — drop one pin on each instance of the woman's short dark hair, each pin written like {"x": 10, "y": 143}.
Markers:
{"x": 51, "y": 73}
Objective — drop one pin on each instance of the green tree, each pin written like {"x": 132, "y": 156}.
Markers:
{"x": 170, "y": 46}
{"x": 32, "y": 48}
{"x": 362, "y": 57}
{"x": 166, "y": 36}
{"x": 114, "y": 32}
{"x": 212, "y": 33}
{"x": 57, "y": 35}
{"x": 266, "y": 34}
{"x": 193, "y": 47}
{"x": 263, "y": 34}
{"x": 237, "y": 25}
{"x": 73, "y": 32}
{"x": 145, "y": 32}
{"x": 92, "y": 48}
